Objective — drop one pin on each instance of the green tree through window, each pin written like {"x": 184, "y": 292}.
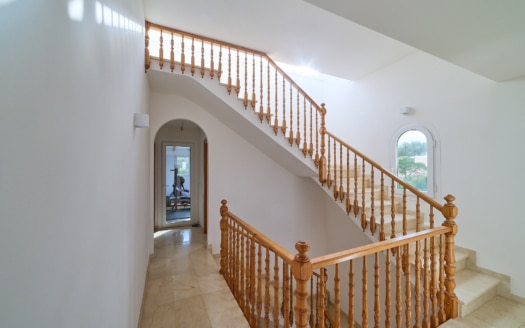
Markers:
{"x": 412, "y": 159}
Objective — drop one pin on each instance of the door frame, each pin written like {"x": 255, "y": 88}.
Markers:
{"x": 160, "y": 184}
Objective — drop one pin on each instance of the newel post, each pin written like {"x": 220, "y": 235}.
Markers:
{"x": 224, "y": 238}
{"x": 302, "y": 272}
{"x": 322, "y": 159}
{"x": 450, "y": 211}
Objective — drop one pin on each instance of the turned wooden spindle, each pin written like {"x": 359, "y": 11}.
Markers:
{"x": 192, "y": 62}
{"x": 212, "y": 62}
{"x": 322, "y": 159}
{"x": 355, "y": 206}
{"x": 172, "y": 53}
{"x": 283, "y": 122}
{"x": 348, "y": 201}
{"x": 382, "y": 213}
{"x": 182, "y": 55}
{"x": 245, "y": 100}
{"x": 276, "y": 106}
{"x": 450, "y": 212}
{"x": 373, "y": 226}
{"x": 328, "y": 163}
{"x": 364, "y": 294}
{"x": 351, "y": 295}
{"x": 291, "y": 133}
{"x": 253, "y": 100}
{"x": 377, "y": 304}
{"x": 388, "y": 289}
{"x": 224, "y": 238}
{"x": 161, "y": 51}
{"x": 337, "y": 297}
{"x": 363, "y": 194}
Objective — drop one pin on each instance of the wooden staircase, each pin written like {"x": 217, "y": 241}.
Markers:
{"x": 381, "y": 210}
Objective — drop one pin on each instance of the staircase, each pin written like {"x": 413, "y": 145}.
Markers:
{"x": 363, "y": 190}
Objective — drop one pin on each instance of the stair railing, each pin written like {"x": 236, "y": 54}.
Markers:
{"x": 405, "y": 281}
{"x": 375, "y": 197}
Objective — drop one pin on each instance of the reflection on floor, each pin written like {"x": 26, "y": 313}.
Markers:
{"x": 184, "y": 287}
{"x": 180, "y": 214}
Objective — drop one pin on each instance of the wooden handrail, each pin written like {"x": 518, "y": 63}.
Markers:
{"x": 369, "y": 249}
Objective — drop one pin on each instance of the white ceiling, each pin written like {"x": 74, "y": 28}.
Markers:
{"x": 352, "y": 38}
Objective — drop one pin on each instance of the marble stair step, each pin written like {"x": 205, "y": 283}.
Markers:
{"x": 474, "y": 289}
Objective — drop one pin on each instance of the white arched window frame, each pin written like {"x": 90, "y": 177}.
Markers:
{"x": 433, "y": 155}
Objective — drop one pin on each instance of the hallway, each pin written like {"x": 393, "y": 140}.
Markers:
{"x": 184, "y": 287}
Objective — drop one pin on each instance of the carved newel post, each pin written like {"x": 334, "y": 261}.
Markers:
{"x": 302, "y": 271}
{"x": 224, "y": 239}
{"x": 450, "y": 211}
{"x": 322, "y": 159}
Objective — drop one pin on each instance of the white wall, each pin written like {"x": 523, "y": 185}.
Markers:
{"x": 481, "y": 125}
{"x": 283, "y": 206}
{"x": 74, "y": 189}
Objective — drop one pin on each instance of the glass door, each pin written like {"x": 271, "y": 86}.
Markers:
{"x": 177, "y": 185}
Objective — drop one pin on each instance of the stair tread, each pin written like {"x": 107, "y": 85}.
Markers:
{"x": 471, "y": 284}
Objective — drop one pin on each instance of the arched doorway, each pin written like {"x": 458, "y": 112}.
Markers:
{"x": 180, "y": 183}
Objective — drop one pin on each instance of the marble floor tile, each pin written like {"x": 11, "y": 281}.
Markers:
{"x": 184, "y": 287}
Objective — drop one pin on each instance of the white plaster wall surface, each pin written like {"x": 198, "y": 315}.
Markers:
{"x": 481, "y": 127}
{"x": 74, "y": 171}
{"x": 283, "y": 206}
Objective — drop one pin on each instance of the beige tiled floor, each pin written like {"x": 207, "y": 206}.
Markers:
{"x": 184, "y": 287}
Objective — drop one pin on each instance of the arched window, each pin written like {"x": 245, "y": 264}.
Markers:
{"x": 414, "y": 159}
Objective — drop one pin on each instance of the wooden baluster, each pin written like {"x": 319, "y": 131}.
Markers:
{"x": 219, "y": 68}
{"x": 377, "y": 306}
{"x": 341, "y": 188}
{"x": 229, "y": 87}
{"x": 404, "y": 211}
{"x": 238, "y": 275}
{"x": 351, "y": 294}
{"x": 317, "y": 302}
{"x": 203, "y": 65}
{"x": 334, "y": 169}
{"x": 286, "y": 295}
{"x": 417, "y": 287}
{"x": 276, "y": 292}
{"x": 372, "y": 205}
{"x": 382, "y": 227}
{"x": 161, "y": 51}
{"x": 363, "y": 193}
{"x": 261, "y": 96}
{"x": 248, "y": 273}
{"x": 283, "y": 122}
{"x": 337, "y": 297}
{"x": 224, "y": 239}
{"x": 450, "y": 212}
{"x": 253, "y": 285}
{"x": 311, "y": 146}
{"x": 322, "y": 297}
{"x": 305, "y": 131}
{"x": 259, "y": 285}
{"x": 317, "y": 156}
{"x": 298, "y": 121}
{"x": 364, "y": 290}
{"x": 418, "y": 215}
{"x": 399, "y": 305}
{"x": 408, "y": 291}
{"x": 312, "y": 309}
{"x": 348, "y": 201}
{"x": 291, "y": 134}
{"x": 238, "y": 80}
{"x": 192, "y": 67}
{"x": 147, "y": 58}
{"x": 212, "y": 62}
{"x": 182, "y": 55}
{"x": 431, "y": 217}
{"x": 356, "y": 175}
{"x": 245, "y": 98}
{"x": 172, "y": 54}
{"x": 433, "y": 276}
{"x": 268, "y": 95}
{"x": 328, "y": 165}
{"x": 393, "y": 210}
{"x": 276, "y": 94}
{"x": 253, "y": 101}
{"x": 426, "y": 284}
{"x": 322, "y": 160}
{"x": 267, "y": 289}
{"x": 242, "y": 289}
{"x": 442, "y": 312}
{"x": 291, "y": 308}
{"x": 388, "y": 290}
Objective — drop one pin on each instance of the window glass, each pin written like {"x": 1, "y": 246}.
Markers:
{"x": 412, "y": 159}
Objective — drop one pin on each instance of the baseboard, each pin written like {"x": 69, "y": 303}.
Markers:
{"x": 144, "y": 289}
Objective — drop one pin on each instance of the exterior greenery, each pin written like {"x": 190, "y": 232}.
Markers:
{"x": 409, "y": 170}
